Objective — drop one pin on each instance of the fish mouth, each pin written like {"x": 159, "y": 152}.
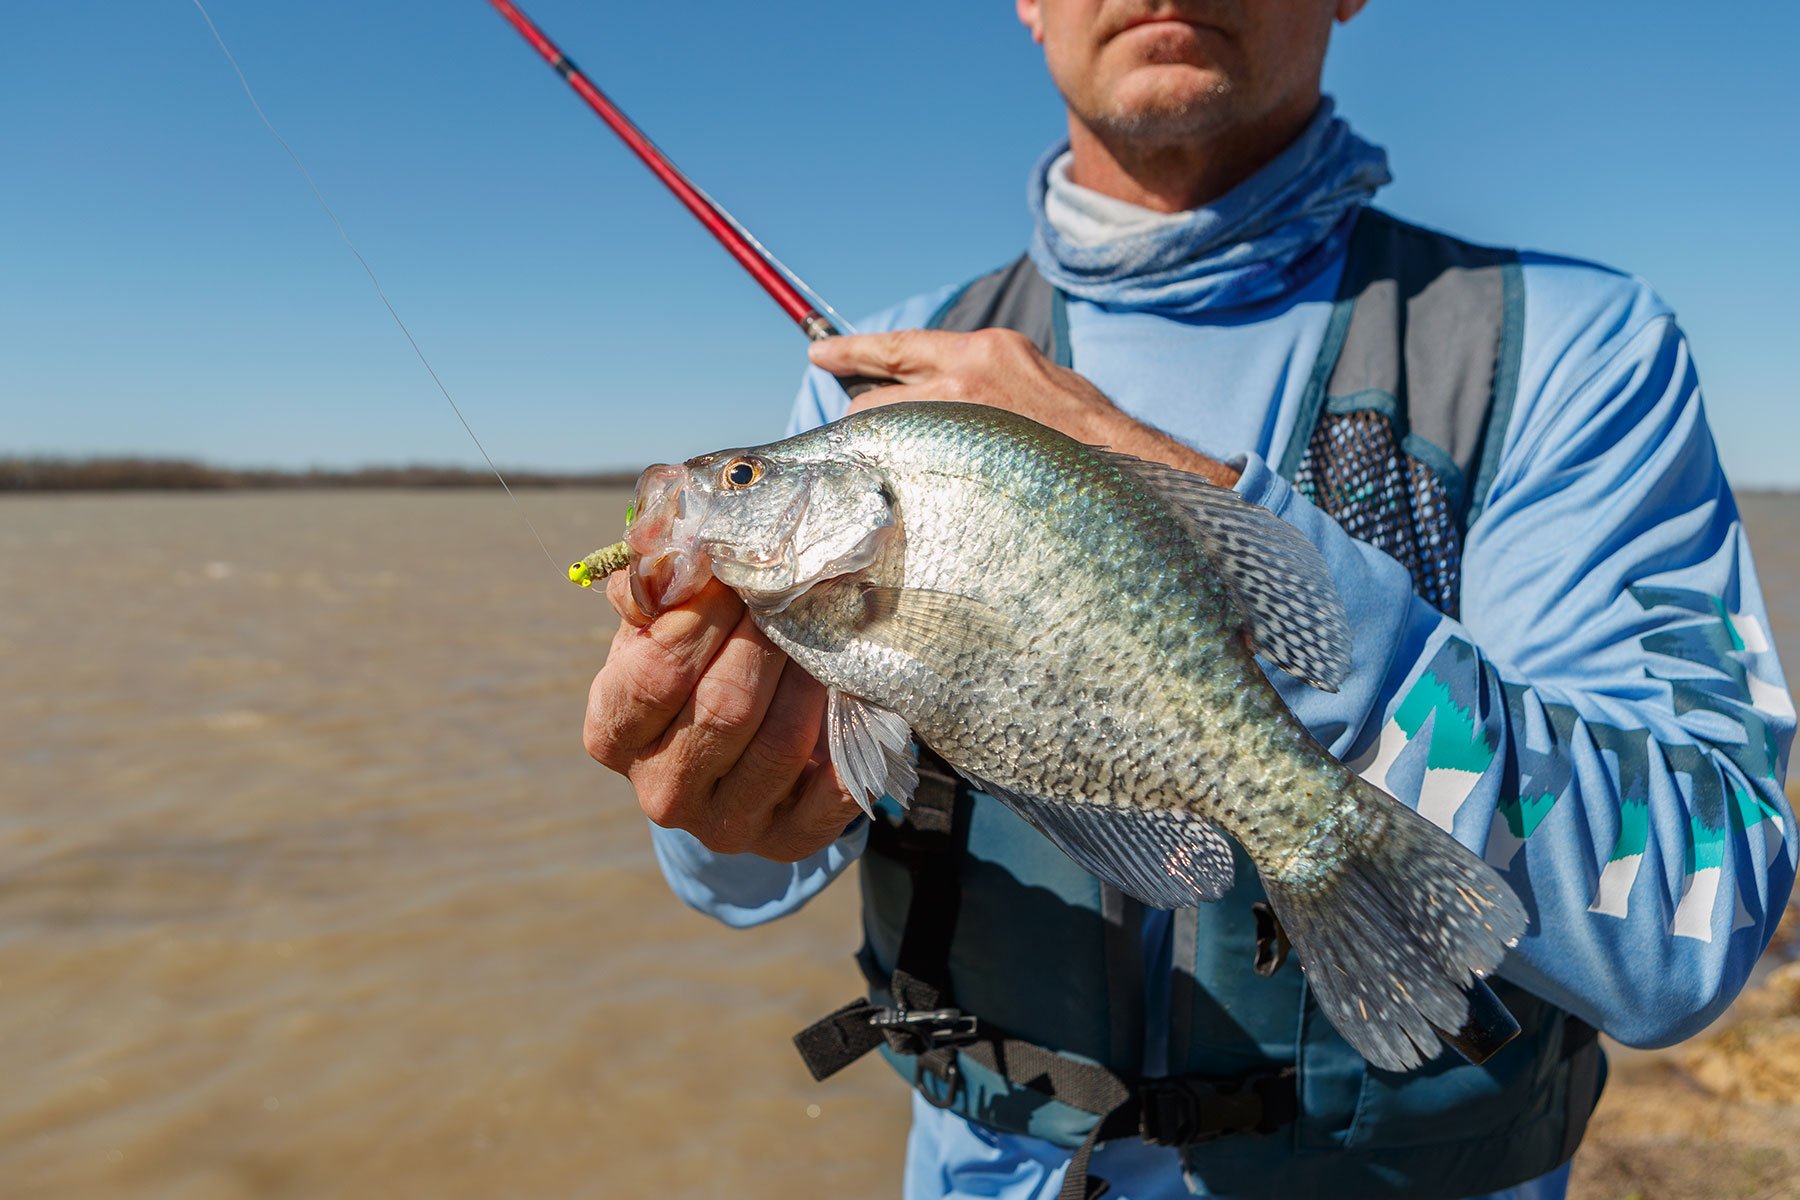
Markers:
{"x": 681, "y": 535}
{"x": 667, "y": 566}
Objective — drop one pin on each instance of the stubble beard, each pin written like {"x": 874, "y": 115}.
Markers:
{"x": 1164, "y": 121}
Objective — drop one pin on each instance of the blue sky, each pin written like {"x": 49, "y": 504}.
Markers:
{"x": 167, "y": 285}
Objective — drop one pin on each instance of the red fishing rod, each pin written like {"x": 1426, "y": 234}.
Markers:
{"x": 781, "y": 285}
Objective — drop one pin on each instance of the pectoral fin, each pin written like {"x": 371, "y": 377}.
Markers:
{"x": 869, "y": 749}
{"x": 943, "y": 630}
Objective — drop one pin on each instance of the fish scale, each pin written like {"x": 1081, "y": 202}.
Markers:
{"x": 1073, "y": 631}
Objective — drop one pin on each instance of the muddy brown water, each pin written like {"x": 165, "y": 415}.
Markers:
{"x": 307, "y": 888}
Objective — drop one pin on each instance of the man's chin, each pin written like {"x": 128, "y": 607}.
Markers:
{"x": 1172, "y": 101}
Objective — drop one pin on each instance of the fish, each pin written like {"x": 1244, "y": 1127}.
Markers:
{"x": 1077, "y": 632}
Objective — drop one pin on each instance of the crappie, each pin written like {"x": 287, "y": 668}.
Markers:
{"x": 1073, "y": 631}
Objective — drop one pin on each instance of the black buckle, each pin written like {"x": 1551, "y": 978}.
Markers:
{"x": 1187, "y": 1112}
{"x": 946, "y": 1072}
{"x": 916, "y": 1031}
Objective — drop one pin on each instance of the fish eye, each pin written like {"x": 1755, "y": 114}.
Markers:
{"x": 740, "y": 473}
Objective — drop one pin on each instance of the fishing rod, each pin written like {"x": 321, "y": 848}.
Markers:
{"x": 788, "y": 291}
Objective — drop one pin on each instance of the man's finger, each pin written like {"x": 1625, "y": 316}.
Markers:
{"x": 726, "y": 708}
{"x": 651, "y": 671}
{"x": 907, "y": 355}
{"x": 676, "y": 780}
{"x": 813, "y": 817}
{"x": 618, "y": 594}
{"x": 773, "y": 760}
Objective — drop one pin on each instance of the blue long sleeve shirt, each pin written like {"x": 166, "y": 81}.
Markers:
{"x": 1606, "y": 722}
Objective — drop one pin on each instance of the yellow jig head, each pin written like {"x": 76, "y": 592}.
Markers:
{"x": 599, "y": 564}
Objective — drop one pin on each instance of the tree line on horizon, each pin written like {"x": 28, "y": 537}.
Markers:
{"x": 128, "y": 473}
{"x": 48, "y": 474}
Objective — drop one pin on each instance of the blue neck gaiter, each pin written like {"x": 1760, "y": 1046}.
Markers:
{"x": 1260, "y": 239}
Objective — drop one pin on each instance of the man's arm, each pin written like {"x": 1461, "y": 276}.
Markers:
{"x": 1608, "y": 723}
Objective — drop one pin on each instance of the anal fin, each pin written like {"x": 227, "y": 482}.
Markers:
{"x": 1164, "y": 857}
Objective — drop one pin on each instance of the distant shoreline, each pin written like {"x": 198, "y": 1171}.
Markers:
{"x": 38, "y": 475}
{"x": 186, "y": 475}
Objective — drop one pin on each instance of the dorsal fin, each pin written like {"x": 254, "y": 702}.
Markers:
{"x": 1277, "y": 577}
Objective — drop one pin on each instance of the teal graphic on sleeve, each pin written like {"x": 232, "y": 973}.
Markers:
{"x": 1704, "y": 658}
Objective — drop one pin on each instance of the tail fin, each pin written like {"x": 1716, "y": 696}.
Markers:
{"x": 1393, "y": 920}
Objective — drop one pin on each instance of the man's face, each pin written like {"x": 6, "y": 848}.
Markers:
{"x": 1160, "y": 71}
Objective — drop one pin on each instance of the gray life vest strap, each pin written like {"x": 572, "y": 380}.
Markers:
{"x": 1427, "y": 330}
{"x": 1014, "y": 297}
{"x": 1404, "y": 414}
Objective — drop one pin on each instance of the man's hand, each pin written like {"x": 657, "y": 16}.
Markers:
{"x": 717, "y": 730}
{"x": 1002, "y": 369}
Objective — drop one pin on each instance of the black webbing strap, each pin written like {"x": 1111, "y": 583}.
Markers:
{"x": 923, "y": 1022}
{"x": 1180, "y": 1111}
{"x": 920, "y": 1022}
{"x": 835, "y": 1041}
{"x": 1077, "y": 1184}
{"x": 838, "y": 1039}
{"x": 929, "y": 845}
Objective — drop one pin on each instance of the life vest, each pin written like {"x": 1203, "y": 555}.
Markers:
{"x": 1006, "y": 983}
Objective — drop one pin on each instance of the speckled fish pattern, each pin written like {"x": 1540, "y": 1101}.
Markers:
{"x": 1065, "y": 629}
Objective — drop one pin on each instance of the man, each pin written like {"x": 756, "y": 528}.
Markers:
{"x": 1561, "y": 653}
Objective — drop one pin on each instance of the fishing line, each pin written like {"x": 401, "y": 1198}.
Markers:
{"x": 819, "y": 302}
{"x": 370, "y": 272}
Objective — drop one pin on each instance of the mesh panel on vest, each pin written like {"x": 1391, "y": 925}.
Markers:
{"x": 1356, "y": 469}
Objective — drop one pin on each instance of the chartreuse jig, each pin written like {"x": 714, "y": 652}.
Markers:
{"x": 605, "y": 561}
